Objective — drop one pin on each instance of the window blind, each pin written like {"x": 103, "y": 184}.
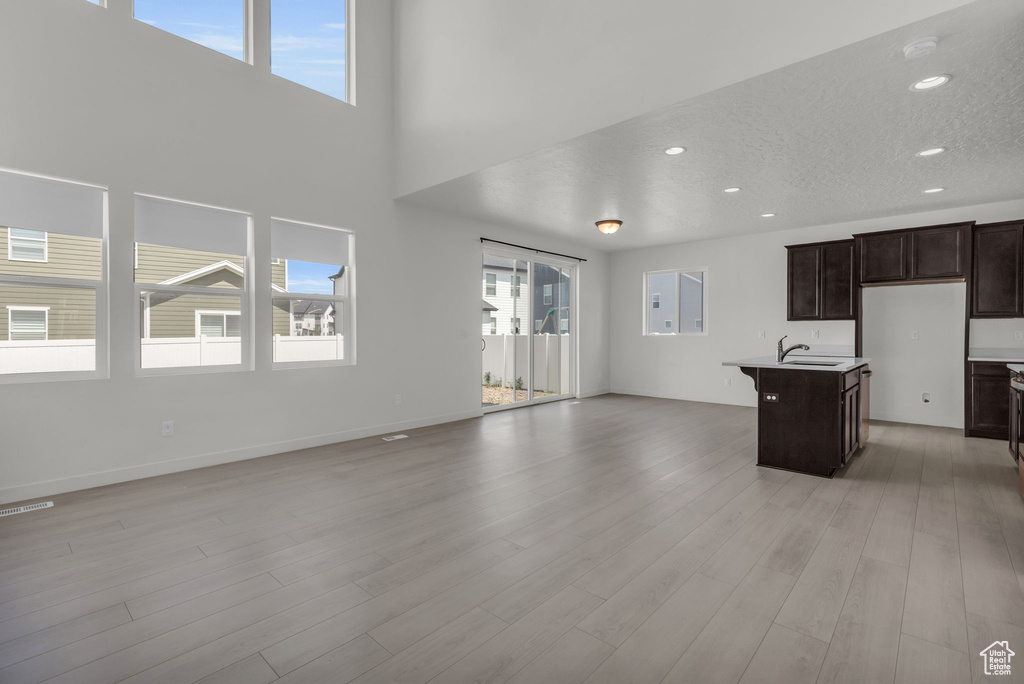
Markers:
{"x": 49, "y": 205}
{"x": 190, "y": 226}
{"x": 302, "y": 242}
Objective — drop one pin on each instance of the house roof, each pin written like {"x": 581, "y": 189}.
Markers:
{"x": 213, "y": 268}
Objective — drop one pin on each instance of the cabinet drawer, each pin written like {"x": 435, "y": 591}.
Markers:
{"x": 852, "y": 378}
{"x": 990, "y": 368}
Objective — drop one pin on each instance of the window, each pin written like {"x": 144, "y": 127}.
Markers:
{"x": 218, "y": 324}
{"x": 191, "y": 282}
{"x": 27, "y": 323}
{"x": 26, "y": 245}
{"x": 547, "y": 294}
{"x": 517, "y": 284}
{"x": 216, "y": 24}
{"x": 52, "y": 294}
{"x": 491, "y": 284}
{"x": 515, "y": 326}
{"x": 676, "y": 302}
{"x": 309, "y": 44}
{"x": 313, "y": 305}
{"x": 494, "y": 325}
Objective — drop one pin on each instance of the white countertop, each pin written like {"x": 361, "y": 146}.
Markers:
{"x": 846, "y": 363}
{"x": 993, "y": 354}
{"x": 1015, "y": 367}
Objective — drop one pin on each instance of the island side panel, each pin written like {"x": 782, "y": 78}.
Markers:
{"x": 801, "y": 430}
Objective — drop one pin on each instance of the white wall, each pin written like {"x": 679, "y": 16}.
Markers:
{"x": 483, "y": 82}
{"x": 904, "y": 367}
{"x": 93, "y": 95}
{"x": 747, "y": 293}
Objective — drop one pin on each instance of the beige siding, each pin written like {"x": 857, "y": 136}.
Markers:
{"x": 72, "y": 313}
{"x": 158, "y": 264}
{"x": 282, "y": 318}
{"x": 175, "y": 316}
{"x": 69, "y": 256}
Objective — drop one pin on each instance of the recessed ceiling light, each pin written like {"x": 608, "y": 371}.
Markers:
{"x": 731, "y": 190}
{"x": 767, "y": 215}
{"x": 920, "y": 48}
{"x": 932, "y": 151}
{"x": 675, "y": 150}
{"x": 930, "y": 191}
{"x": 931, "y": 82}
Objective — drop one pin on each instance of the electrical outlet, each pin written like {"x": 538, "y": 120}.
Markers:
{"x": 760, "y": 333}
{"x": 398, "y": 399}
{"x": 1018, "y": 335}
{"x": 728, "y": 382}
{"x": 926, "y": 397}
{"x": 814, "y": 334}
{"x": 167, "y": 428}
{"x": 914, "y": 335}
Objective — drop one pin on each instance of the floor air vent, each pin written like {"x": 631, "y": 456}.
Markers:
{"x": 25, "y": 509}
{"x": 392, "y": 438}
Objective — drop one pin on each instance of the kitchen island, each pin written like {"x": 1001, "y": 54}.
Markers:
{"x": 809, "y": 410}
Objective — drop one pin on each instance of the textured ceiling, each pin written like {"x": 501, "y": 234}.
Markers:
{"x": 827, "y": 140}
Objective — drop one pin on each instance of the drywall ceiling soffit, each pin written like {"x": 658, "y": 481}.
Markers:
{"x": 828, "y": 140}
{"x": 480, "y": 83}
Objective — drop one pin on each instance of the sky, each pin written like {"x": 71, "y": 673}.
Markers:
{"x": 311, "y": 278}
{"x": 307, "y": 37}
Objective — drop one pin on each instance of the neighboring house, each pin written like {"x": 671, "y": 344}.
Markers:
{"x": 30, "y": 313}
{"x": 48, "y": 313}
{"x": 312, "y": 317}
{"x": 549, "y": 313}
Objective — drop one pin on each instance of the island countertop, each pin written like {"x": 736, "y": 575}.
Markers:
{"x": 842, "y": 364}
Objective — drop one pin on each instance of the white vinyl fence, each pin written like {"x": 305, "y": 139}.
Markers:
{"x": 42, "y": 356}
{"x": 80, "y": 355}
{"x": 551, "y": 360}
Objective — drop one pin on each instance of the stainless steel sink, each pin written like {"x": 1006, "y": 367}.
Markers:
{"x": 812, "y": 363}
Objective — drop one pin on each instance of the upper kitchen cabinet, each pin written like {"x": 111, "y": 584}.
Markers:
{"x": 997, "y": 267}
{"x": 820, "y": 281}
{"x": 914, "y": 255}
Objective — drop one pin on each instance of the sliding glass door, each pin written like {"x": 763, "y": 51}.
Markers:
{"x": 528, "y": 330}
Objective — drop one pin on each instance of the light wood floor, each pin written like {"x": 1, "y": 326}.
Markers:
{"x": 621, "y": 539}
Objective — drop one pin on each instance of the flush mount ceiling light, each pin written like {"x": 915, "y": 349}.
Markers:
{"x": 608, "y": 226}
{"x": 931, "y": 191}
{"x": 731, "y": 190}
{"x": 931, "y": 82}
{"x": 767, "y": 215}
{"x": 675, "y": 150}
{"x": 931, "y": 152}
{"x": 920, "y": 48}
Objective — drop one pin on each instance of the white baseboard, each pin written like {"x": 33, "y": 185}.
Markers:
{"x": 592, "y": 393}
{"x": 916, "y": 420}
{"x": 677, "y": 397}
{"x": 75, "y": 483}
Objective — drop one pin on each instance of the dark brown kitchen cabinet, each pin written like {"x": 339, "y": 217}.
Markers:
{"x": 807, "y": 420}
{"x": 997, "y": 264}
{"x": 883, "y": 257}
{"x": 851, "y": 421}
{"x": 820, "y": 281}
{"x": 989, "y": 414}
{"x": 923, "y": 254}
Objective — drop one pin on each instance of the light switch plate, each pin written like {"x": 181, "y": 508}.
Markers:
{"x": 914, "y": 335}
{"x": 1018, "y": 335}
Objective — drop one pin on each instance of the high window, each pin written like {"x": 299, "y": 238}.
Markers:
{"x": 191, "y": 284}
{"x": 26, "y": 245}
{"x": 676, "y": 302}
{"x": 216, "y": 24}
{"x": 52, "y": 291}
{"x": 309, "y": 44}
{"x": 311, "y": 294}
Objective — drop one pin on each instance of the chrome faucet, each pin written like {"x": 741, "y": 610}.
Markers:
{"x": 780, "y": 353}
